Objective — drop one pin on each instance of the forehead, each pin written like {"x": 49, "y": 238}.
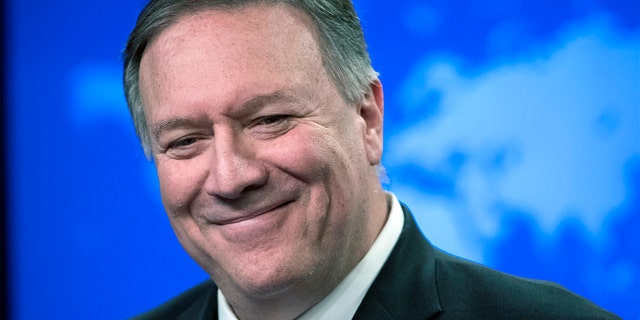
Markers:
{"x": 249, "y": 30}
{"x": 257, "y": 42}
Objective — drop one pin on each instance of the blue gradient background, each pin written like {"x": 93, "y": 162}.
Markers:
{"x": 512, "y": 131}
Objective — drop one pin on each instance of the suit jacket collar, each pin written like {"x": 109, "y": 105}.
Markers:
{"x": 406, "y": 286}
{"x": 205, "y": 308}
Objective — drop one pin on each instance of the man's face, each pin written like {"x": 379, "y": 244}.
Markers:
{"x": 267, "y": 175}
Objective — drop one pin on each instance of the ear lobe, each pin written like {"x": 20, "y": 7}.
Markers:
{"x": 372, "y": 112}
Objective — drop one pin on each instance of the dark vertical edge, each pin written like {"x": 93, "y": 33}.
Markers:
{"x": 4, "y": 237}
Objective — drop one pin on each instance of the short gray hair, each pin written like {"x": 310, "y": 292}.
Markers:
{"x": 341, "y": 41}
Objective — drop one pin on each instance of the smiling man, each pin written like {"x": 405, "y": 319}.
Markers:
{"x": 264, "y": 120}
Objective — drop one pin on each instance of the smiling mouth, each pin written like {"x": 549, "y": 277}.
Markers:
{"x": 250, "y": 216}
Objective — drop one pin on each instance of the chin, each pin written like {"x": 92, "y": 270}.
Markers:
{"x": 265, "y": 286}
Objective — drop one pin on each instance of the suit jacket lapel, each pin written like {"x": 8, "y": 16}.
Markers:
{"x": 204, "y": 306}
{"x": 205, "y": 309}
{"x": 406, "y": 285}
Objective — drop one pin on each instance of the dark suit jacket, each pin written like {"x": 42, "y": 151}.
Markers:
{"x": 419, "y": 281}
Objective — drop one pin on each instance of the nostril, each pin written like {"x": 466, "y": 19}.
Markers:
{"x": 237, "y": 177}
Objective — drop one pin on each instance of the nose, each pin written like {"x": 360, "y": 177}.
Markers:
{"x": 234, "y": 168}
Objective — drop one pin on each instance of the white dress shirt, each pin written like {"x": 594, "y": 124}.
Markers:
{"x": 344, "y": 300}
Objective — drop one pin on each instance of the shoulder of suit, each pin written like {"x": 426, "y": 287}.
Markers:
{"x": 466, "y": 287}
{"x": 193, "y": 300}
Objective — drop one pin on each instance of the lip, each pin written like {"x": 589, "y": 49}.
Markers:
{"x": 251, "y": 215}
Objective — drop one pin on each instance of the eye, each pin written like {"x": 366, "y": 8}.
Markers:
{"x": 185, "y": 147}
{"x": 273, "y": 119}
{"x": 182, "y": 143}
{"x": 271, "y": 126}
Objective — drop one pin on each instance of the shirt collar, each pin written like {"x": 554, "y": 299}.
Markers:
{"x": 343, "y": 301}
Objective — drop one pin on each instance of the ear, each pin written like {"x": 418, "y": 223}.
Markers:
{"x": 371, "y": 110}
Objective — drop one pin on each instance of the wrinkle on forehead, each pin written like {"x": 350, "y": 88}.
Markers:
{"x": 283, "y": 25}
{"x": 244, "y": 37}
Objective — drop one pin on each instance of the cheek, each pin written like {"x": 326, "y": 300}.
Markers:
{"x": 322, "y": 161}
{"x": 304, "y": 153}
{"x": 179, "y": 182}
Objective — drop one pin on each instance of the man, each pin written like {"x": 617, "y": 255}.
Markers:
{"x": 264, "y": 120}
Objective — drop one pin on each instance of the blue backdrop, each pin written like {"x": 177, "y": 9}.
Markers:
{"x": 513, "y": 128}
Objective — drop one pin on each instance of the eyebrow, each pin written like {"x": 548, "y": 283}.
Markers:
{"x": 175, "y": 123}
{"x": 269, "y": 98}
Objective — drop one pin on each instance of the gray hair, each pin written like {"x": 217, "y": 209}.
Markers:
{"x": 340, "y": 38}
